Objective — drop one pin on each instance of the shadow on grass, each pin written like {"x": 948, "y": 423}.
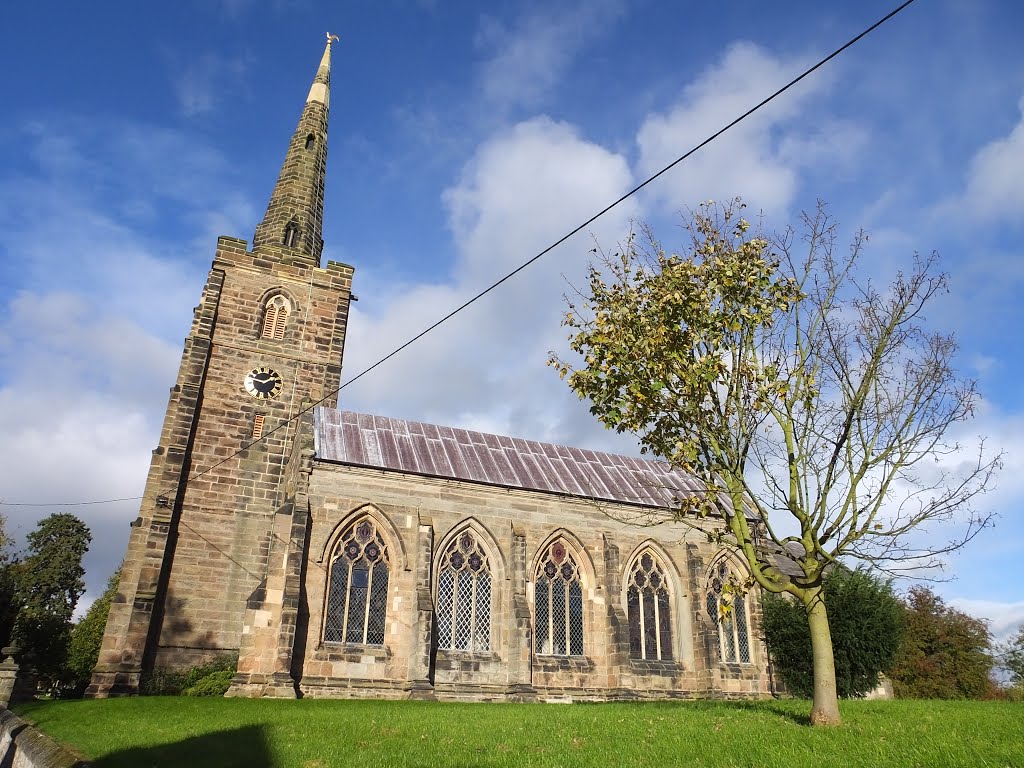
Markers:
{"x": 223, "y": 749}
{"x": 789, "y": 709}
{"x": 783, "y": 709}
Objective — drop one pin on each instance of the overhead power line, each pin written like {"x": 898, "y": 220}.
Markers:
{"x": 852, "y": 41}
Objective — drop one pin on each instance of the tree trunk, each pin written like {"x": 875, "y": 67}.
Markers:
{"x": 825, "y": 710}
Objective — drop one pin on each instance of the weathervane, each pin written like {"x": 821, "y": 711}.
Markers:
{"x": 331, "y": 39}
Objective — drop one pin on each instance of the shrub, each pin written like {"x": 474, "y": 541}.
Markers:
{"x": 213, "y": 684}
{"x": 84, "y": 644}
{"x": 166, "y": 682}
{"x": 161, "y": 681}
{"x": 866, "y": 622}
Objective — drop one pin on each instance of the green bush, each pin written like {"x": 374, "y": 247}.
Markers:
{"x": 1015, "y": 692}
{"x": 166, "y": 682}
{"x": 214, "y": 684}
{"x": 84, "y": 643}
{"x": 866, "y": 623}
{"x": 161, "y": 682}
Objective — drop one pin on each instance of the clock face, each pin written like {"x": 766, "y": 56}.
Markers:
{"x": 263, "y": 383}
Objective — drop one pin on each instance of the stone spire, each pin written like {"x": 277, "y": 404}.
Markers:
{"x": 292, "y": 228}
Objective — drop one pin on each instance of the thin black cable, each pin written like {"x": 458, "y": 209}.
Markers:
{"x": 66, "y": 503}
{"x": 525, "y": 264}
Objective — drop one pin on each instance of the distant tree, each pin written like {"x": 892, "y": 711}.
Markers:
{"x": 1011, "y": 657}
{"x": 85, "y": 640}
{"x": 800, "y": 395}
{"x": 866, "y": 622}
{"x": 49, "y": 585}
{"x": 945, "y": 654}
{"x": 8, "y": 584}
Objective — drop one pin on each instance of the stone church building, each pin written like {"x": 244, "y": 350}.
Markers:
{"x": 344, "y": 554}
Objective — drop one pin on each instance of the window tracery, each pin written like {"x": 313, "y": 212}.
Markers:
{"x": 558, "y": 603}
{"x": 275, "y": 318}
{"x": 464, "y": 596}
{"x": 727, "y": 607}
{"x": 357, "y": 594}
{"x": 648, "y": 610}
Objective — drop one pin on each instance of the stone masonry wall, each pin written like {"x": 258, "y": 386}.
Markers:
{"x": 421, "y": 515}
{"x": 22, "y": 746}
{"x": 199, "y": 547}
{"x": 225, "y": 527}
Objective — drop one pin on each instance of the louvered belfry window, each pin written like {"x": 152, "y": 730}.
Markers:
{"x": 357, "y": 594}
{"x": 558, "y": 603}
{"x": 648, "y": 611}
{"x": 275, "y": 318}
{"x": 727, "y": 607}
{"x": 464, "y": 596}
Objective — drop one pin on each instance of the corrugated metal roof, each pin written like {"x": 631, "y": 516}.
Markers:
{"x": 364, "y": 440}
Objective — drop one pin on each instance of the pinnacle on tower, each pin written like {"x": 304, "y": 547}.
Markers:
{"x": 292, "y": 228}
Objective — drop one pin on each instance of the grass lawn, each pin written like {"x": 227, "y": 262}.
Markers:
{"x": 195, "y": 733}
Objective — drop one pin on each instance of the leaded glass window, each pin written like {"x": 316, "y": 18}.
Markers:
{"x": 464, "y": 596}
{"x": 648, "y": 611}
{"x": 357, "y": 592}
{"x": 727, "y": 607}
{"x": 558, "y": 604}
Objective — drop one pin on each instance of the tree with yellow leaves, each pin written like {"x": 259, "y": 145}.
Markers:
{"x": 814, "y": 407}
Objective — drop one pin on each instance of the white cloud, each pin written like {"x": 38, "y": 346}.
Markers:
{"x": 94, "y": 302}
{"x": 77, "y": 414}
{"x": 528, "y": 59}
{"x": 202, "y": 81}
{"x": 486, "y": 368}
{"x": 760, "y": 158}
{"x": 993, "y": 191}
{"x": 1003, "y": 618}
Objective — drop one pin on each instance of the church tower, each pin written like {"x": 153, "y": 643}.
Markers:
{"x": 267, "y": 339}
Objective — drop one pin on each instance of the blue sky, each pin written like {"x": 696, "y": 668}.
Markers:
{"x": 462, "y": 141}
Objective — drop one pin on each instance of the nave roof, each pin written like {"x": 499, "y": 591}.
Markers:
{"x": 365, "y": 440}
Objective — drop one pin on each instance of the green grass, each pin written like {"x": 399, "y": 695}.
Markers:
{"x": 158, "y": 731}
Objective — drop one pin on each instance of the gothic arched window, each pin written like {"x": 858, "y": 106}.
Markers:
{"x": 558, "y": 603}
{"x": 275, "y": 317}
{"x": 648, "y": 611}
{"x": 357, "y": 591}
{"x": 310, "y": 142}
{"x": 727, "y": 607}
{"x": 464, "y": 596}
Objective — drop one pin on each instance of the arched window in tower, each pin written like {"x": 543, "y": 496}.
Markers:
{"x": 357, "y": 587}
{"x": 727, "y": 607}
{"x": 291, "y": 234}
{"x": 275, "y": 317}
{"x": 648, "y": 609}
{"x": 464, "y": 596}
{"x": 558, "y": 603}
{"x": 310, "y": 142}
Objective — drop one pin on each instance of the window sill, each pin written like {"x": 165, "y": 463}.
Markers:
{"x": 737, "y": 667}
{"x": 458, "y": 655}
{"x": 355, "y": 652}
{"x": 549, "y": 663}
{"x": 655, "y": 667}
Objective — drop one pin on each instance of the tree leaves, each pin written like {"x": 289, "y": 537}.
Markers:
{"x": 786, "y": 385}
{"x": 49, "y": 583}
